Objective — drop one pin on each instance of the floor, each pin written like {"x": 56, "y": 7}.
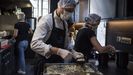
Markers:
{"x": 110, "y": 70}
{"x": 113, "y": 70}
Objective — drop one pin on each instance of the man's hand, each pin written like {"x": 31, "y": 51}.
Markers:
{"x": 109, "y": 49}
{"x": 65, "y": 54}
{"x": 79, "y": 57}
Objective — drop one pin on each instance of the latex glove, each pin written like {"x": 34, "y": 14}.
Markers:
{"x": 109, "y": 49}
{"x": 65, "y": 54}
{"x": 78, "y": 56}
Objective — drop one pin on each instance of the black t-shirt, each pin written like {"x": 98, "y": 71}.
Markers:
{"x": 23, "y": 29}
{"x": 82, "y": 42}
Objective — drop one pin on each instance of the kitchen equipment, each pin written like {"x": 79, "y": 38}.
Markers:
{"x": 3, "y": 43}
{"x": 70, "y": 69}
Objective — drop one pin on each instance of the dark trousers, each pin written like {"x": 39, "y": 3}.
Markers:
{"x": 41, "y": 60}
{"x": 103, "y": 59}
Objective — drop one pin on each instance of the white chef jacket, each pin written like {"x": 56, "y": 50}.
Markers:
{"x": 43, "y": 32}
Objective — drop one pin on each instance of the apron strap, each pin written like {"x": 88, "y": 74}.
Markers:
{"x": 54, "y": 22}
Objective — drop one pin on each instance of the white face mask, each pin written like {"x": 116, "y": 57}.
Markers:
{"x": 66, "y": 15}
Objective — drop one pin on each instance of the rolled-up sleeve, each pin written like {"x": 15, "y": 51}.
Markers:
{"x": 37, "y": 44}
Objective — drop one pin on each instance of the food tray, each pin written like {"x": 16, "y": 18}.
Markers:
{"x": 70, "y": 69}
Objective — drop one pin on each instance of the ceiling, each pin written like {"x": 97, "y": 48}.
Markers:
{"x": 10, "y": 4}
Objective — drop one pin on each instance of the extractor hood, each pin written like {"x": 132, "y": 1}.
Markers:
{"x": 10, "y": 4}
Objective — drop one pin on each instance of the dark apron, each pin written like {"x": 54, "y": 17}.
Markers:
{"x": 56, "y": 39}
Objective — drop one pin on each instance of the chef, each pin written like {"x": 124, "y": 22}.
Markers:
{"x": 51, "y": 37}
{"x": 86, "y": 39}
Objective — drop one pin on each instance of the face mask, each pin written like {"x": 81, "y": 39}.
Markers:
{"x": 66, "y": 15}
{"x": 94, "y": 28}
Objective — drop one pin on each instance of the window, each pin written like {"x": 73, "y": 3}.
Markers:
{"x": 40, "y": 7}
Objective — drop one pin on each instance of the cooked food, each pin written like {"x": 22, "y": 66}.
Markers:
{"x": 68, "y": 69}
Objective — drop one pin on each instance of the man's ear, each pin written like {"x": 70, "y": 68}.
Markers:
{"x": 60, "y": 9}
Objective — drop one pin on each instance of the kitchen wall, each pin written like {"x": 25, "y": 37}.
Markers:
{"x": 7, "y": 22}
{"x": 81, "y": 10}
{"x": 124, "y": 8}
{"x": 53, "y": 5}
{"x": 105, "y": 8}
{"x": 121, "y": 8}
